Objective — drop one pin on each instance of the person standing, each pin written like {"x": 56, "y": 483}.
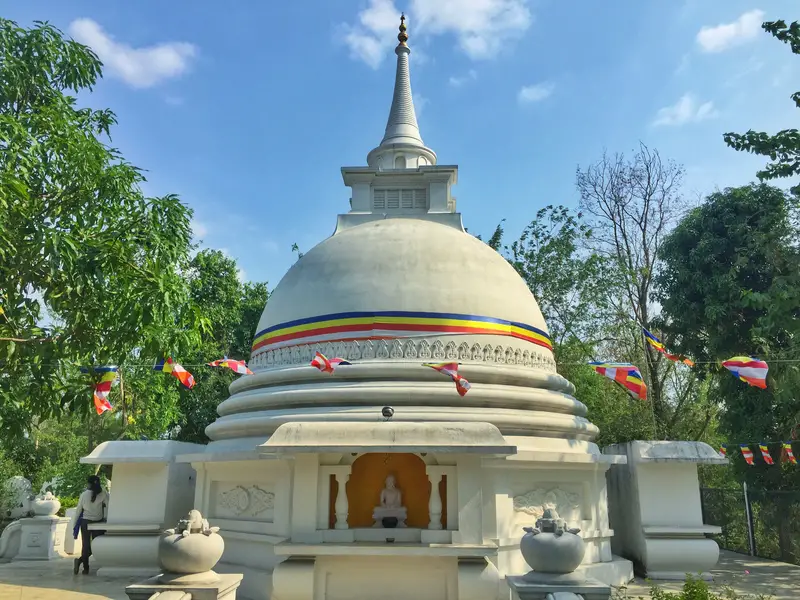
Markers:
{"x": 92, "y": 506}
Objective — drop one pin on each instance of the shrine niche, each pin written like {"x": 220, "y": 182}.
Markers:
{"x": 368, "y": 483}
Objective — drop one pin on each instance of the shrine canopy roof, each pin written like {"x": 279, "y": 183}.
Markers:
{"x": 449, "y": 437}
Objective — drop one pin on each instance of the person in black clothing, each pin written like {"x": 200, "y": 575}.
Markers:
{"x": 91, "y": 508}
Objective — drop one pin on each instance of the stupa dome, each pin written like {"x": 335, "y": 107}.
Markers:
{"x": 376, "y": 294}
{"x": 402, "y": 264}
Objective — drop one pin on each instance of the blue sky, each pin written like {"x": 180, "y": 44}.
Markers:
{"x": 248, "y": 111}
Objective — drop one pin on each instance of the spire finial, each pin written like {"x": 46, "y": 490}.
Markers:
{"x": 402, "y": 36}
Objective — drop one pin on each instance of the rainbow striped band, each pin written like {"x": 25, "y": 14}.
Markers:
{"x": 340, "y": 327}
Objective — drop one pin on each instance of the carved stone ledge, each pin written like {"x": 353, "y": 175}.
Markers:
{"x": 405, "y": 350}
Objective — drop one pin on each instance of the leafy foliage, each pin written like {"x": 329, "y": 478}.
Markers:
{"x": 89, "y": 267}
{"x": 571, "y": 285}
{"x": 631, "y": 202}
{"x": 729, "y": 286}
{"x": 233, "y": 310}
{"x": 782, "y": 148}
{"x": 693, "y": 588}
{"x": 93, "y": 272}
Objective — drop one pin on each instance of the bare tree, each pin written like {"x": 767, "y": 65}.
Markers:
{"x": 632, "y": 203}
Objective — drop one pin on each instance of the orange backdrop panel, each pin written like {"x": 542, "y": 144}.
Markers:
{"x": 368, "y": 478}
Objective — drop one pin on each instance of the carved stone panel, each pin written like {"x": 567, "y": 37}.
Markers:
{"x": 566, "y": 503}
{"x": 245, "y": 501}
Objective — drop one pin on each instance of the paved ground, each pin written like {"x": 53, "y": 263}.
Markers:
{"x": 745, "y": 574}
{"x": 55, "y": 581}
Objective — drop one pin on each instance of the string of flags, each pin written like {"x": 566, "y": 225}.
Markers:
{"x": 659, "y": 345}
{"x": 746, "y": 368}
{"x": 327, "y": 365}
{"x": 108, "y": 375}
{"x": 626, "y": 375}
{"x": 170, "y": 366}
{"x": 237, "y": 366}
{"x": 749, "y": 457}
{"x": 749, "y": 370}
{"x": 451, "y": 370}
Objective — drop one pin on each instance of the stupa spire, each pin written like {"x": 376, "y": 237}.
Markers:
{"x": 401, "y": 127}
{"x": 402, "y": 146}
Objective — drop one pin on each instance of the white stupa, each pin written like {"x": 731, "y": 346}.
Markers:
{"x": 380, "y": 480}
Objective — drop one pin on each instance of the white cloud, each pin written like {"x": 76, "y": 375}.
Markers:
{"x": 481, "y": 27}
{"x": 241, "y": 275}
{"x": 727, "y": 35}
{"x": 471, "y": 75}
{"x": 373, "y": 36}
{"x": 686, "y": 110}
{"x": 138, "y": 67}
{"x": 535, "y": 93}
{"x": 420, "y": 102}
{"x": 199, "y": 229}
{"x": 270, "y": 245}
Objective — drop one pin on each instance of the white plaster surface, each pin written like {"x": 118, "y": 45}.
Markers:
{"x": 402, "y": 264}
{"x": 454, "y": 437}
{"x": 41, "y": 538}
{"x": 151, "y": 493}
{"x": 655, "y": 508}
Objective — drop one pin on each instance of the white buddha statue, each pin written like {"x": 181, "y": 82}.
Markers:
{"x": 391, "y": 505}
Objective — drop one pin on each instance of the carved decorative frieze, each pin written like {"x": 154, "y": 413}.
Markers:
{"x": 396, "y": 351}
{"x": 383, "y": 350}
{"x": 409, "y": 349}
{"x": 424, "y": 351}
{"x": 249, "y": 500}
{"x": 532, "y": 503}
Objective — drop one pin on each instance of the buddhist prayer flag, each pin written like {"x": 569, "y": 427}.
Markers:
{"x": 627, "y": 375}
{"x": 723, "y": 451}
{"x": 177, "y": 371}
{"x": 451, "y": 370}
{"x": 765, "y": 454}
{"x": 237, "y": 366}
{"x": 108, "y": 375}
{"x": 327, "y": 365}
{"x": 787, "y": 452}
{"x": 659, "y": 345}
{"x": 750, "y": 370}
{"x": 747, "y": 453}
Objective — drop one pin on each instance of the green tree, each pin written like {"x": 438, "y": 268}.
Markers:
{"x": 573, "y": 287}
{"x": 723, "y": 292}
{"x": 783, "y": 148}
{"x": 570, "y": 284}
{"x": 89, "y": 267}
{"x": 233, "y": 310}
{"x": 630, "y": 203}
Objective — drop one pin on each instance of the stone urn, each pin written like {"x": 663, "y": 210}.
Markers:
{"x": 551, "y": 547}
{"x": 45, "y": 505}
{"x": 190, "y": 551}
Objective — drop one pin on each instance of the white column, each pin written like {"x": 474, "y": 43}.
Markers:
{"x": 435, "y": 501}
{"x": 341, "y": 506}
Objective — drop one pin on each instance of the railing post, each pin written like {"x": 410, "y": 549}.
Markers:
{"x": 751, "y": 536}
